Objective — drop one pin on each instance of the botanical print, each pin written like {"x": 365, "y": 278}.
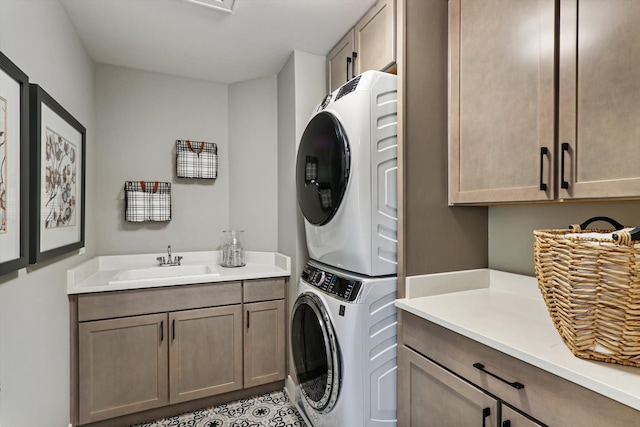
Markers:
{"x": 3, "y": 166}
{"x": 61, "y": 188}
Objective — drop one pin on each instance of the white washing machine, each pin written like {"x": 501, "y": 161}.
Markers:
{"x": 344, "y": 346}
{"x": 346, "y": 176}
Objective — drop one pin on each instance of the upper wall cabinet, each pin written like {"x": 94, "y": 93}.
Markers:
{"x": 501, "y": 111}
{"x": 503, "y": 100}
{"x": 370, "y": 45}
{"x": 599, "y": 99}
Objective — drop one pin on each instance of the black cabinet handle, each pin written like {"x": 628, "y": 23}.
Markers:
{"x": 544, "y": 151}
{"x": 173, "y": 329}
{"x": 485, "y": 413}
{"x": 161, "y": 330}
{"x": 348, "y": 64}
{"x": 515, "y": 384}
{"x": 565, "y": 149}
{"x": 354, "y": 55}
{"x": 248, "y": 317}
{"x": 506, "y": 423}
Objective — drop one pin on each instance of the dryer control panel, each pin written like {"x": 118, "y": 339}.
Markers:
{"x": 333, "y": 284}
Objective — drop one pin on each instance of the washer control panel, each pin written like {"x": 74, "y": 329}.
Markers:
{"x": 333, "y": 284}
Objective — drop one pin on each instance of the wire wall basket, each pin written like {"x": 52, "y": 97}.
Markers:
{"x": 196, "y": 159}
{"x": 147, "y": 201}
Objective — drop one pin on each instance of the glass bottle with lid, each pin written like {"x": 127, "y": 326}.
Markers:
{"x": 233, "y": 254}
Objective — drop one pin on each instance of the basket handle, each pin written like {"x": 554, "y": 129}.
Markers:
{"x": 626, "y": 237}
{"x": 615, "y": 224}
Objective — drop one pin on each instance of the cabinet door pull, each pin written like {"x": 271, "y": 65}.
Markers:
{"x": 515, "y": 384}
{"x": 544, "y": 151}
{"x": 248, "y": 317}
{"x": 161, "y": 330}
{"x": 173, "y": 329}
{"x": 348, "y": 64}
{"x": 354, "y": 55}
{"x": 506, "y": 423}
{"x": 565, "y": 149}
{"x": 485, "y": 414}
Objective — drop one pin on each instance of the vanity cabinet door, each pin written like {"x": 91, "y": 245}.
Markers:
{"x": 430, "y": 396}
{"x": 205, "y": 352}
{"x": 123, "y": 366}
{"x": 264, "y": 342}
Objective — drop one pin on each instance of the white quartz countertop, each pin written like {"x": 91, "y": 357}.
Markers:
{"x": 506, "y": 312}
{"x": 122, "y": 272}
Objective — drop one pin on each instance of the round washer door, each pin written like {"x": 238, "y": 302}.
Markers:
{"x": 315, "y": 353}
{"x": 322, "y": 168}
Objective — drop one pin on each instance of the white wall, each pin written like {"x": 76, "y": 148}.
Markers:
{"x": 253, "y": 153}
{"x": 511, "y": 228}
{"x": 34, "y": 322}
{"x": 141, "y": 115}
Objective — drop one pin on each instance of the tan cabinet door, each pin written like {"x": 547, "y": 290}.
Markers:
{"x": 430, "y": 396}
{"x": 264, "y": 342}
{"x": 513, "y": 418}
{"x": 123, "y": 366}
{"x": 599, "y": 102}
{"x": 339, "y": 62}
{"x": 375, "y": 38}
{"x": 205, "y": 352}
{"x": 502, "y": 100}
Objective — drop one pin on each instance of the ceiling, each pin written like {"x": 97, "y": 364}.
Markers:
{"x": 181, "y": 38}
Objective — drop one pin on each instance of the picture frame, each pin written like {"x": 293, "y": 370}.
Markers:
{"x": 58, "y": 159}
{"x": 14, "y": 167}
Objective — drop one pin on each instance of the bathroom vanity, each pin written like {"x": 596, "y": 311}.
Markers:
{"x": 148, "y": 341}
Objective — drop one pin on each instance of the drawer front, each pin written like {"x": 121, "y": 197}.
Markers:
{"x": 263, "y": 290}
{"x": 107, "y": 305}
{"x": 549, "y": 398}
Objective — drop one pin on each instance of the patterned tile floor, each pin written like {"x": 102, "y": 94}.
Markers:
{"x": 267, "y": 410}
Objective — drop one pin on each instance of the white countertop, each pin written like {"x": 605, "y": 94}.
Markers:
{"x": 102, "y": 273}
{"x": 506, "y": 312}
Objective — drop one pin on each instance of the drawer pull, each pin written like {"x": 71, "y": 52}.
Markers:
{"x": 506, "y": 423}
{"x": 515, "y": 384}
{"x": 485, "y": 413}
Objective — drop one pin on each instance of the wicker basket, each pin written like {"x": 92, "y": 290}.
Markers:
{"x": 591, "y": 286}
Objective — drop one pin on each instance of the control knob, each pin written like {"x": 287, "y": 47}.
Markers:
{"x": 319, "y": 278}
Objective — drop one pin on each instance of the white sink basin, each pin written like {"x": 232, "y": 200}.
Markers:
{"x": 157, "y": 272}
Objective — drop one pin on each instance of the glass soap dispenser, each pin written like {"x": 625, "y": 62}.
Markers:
{"x": 232, "y": 251}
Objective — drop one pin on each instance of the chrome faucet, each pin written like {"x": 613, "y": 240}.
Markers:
{"x": 169, "y": 262}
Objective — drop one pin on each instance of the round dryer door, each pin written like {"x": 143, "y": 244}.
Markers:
{"x": 322, "y": 168}
{"x": 315, "y": 353}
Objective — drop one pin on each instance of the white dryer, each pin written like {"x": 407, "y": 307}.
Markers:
{"x": 344, "y": 347}
{"x": 346, "y": 177}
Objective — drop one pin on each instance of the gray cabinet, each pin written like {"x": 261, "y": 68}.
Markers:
{"x": 502, "y": 94}
{"x": 205, "y": 352}
{"x": 526, "y": 395}
{"x": 430, "y": 396}
{"x": 123, "y": 366}
{"x": 505, "y": 57}
{"x": 148, "y": 349}
{"x": 369, "y": 45}
{"x": 599, "y": 99}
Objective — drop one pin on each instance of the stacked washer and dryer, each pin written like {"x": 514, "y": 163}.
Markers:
{"x": 344, "y": 323}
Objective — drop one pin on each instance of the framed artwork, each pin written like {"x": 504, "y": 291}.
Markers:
{"x": 14, "y": 167}
{"x": 58, "y": 178}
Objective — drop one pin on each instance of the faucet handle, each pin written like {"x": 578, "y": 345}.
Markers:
{"x": 160, "y": 260}
{"x": 178, "y": 259}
